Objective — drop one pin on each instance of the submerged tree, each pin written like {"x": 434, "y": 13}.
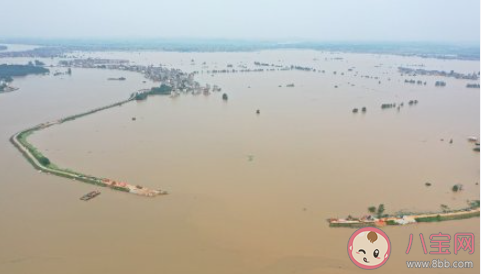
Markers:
{"x": 380, "y": 210}
{"x": 457, "y": 188}
{"x": 444, "y": 208}
{"x": 39, "y": 63}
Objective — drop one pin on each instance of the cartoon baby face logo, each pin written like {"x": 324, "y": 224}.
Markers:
{"x": 369, "y": 248}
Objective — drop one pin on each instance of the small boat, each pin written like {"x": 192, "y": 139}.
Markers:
{"x": 90, "y": 195}
{"x": 472, "y": 138}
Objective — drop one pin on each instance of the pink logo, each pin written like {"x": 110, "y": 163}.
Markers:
{"x": 369, "y": 248}
{"x": 464, "y": 241}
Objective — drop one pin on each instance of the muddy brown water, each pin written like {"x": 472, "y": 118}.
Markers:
{"x": 249, "y": 193}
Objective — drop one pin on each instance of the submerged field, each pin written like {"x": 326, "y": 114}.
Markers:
{"x": 250, "y": 192}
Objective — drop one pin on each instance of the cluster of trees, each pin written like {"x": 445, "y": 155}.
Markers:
{"x": 413, "y": 102}
{"x": 385, "y": 106}
{"x": 412, "y": 81}
{"x": 379, "y": 211}
{"x": 36, "y": 63}
{"x": 472, "y": 85}
{"x": 162, "y": 90}
{"x": 355, "y": 110}
{"x": 9, "y": 71}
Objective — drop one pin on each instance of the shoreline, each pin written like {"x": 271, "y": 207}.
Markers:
{"x": 422, "y": 49}
{"x": 466, "y": 213}
{"x": 43, "y": 164}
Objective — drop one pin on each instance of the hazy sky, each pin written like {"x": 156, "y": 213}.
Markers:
{"x": 323, "y": 20}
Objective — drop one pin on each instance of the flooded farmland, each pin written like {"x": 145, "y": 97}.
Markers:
{"x": 249, "y": 193}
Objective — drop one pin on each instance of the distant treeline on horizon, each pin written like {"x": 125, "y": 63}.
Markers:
{"x": 465, "y": 51}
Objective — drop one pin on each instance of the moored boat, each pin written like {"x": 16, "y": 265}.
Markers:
{"x": 90, "y": 195}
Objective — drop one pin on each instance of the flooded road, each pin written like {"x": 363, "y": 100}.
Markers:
{"x": 249, "y": 193}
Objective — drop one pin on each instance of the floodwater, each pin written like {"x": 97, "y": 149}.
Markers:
{"x": 17, "y": 47}
{"x": 248, "y": 193}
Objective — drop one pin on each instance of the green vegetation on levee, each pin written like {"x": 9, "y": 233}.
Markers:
{"x": 22, "y": 138}
{"x": 7, "y": 72}
{"x": 162, "y": 90}
{"x": 45, "y": 162}
{"x": 439, "y": 218}
{"x": 42, "y": 163}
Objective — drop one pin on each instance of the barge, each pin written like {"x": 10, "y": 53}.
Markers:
{"x": 90, "y": 195}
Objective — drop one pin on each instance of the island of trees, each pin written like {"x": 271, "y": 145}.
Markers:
{"x": 452, "y": 73}
{"x": 7, "y": 72}
{"x": 162, "y": 90}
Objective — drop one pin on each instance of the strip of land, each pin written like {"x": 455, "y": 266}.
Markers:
{"x": 43, "y": 164}
{"x": 411, "y": 218}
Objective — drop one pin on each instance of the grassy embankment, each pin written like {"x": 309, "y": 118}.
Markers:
{"x": 42, "y": 163}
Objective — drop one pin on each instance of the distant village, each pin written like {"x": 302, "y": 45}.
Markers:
{"x": 174, "y": 78}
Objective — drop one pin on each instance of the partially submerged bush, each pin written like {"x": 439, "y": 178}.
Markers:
{"x": 457, "y": 188}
